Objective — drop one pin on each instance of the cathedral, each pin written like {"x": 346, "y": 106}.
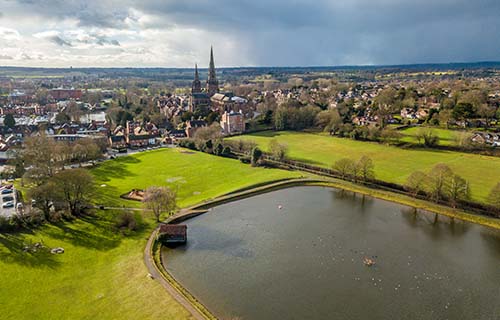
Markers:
{"x": 200, "y": 100}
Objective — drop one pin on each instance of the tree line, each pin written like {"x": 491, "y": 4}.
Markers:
{"x": 439, "y": 184}
{"x": 55, "y": 192}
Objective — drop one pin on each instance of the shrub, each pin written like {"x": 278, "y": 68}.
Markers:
{"x": 277, "y": 150}
{"x": 245, "y": 159}
{"x": 218, "y": 149}
{"x": 188, "y": 143}
{"x": 428, "y": 137}
{"x": 126, "y": 221}
{"x": 256, "y": 155}
{"x": 226, "y": 152}
{"x": 7, "y": 225}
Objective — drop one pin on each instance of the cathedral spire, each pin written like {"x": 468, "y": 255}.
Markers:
{"x": 212, "y": 83}
{"x": 212, "y": 64}
{"x": 196, "y": 87}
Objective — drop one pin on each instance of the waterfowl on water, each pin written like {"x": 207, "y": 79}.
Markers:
{"x": 368, "y": 262}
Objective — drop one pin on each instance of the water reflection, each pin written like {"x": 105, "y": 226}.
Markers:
{"x": 305, "y": 261}
{"x": 353, "y": 199}
{"x": 491, "y": 238}
{"x": 434, "y": 224}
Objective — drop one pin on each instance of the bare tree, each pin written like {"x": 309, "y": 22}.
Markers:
{"x": 39, "y": 157}
{"x": 494, "y": 196}
{"x": 365, "y": 168}
{"x": 344, "y": 167}
{"x": 44, "y": 197}
{"x": 427, "y": 137}
{"x": 213, "y": 132}
{"x": 415, "y": 183}
{"x": 277, "y": 150}
{"x": 74, "y": 188}
{"x": 160, "y": 199}
{"x": 439, "y": 181}
{"x": 458, "y": 190}
{"x": 463, "y": 139}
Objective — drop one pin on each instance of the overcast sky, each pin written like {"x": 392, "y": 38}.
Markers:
{"x": 178, "y": 33}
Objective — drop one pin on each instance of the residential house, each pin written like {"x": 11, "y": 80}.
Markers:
{"x": 193, "y": 125}
{"x": 138, "y": 135}
{"x": 232, "y": 122}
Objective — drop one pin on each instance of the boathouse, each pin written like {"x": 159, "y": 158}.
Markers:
{"x": 172, "y": 233}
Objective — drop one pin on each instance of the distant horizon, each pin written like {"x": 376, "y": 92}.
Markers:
{"x": 266, "y": 66}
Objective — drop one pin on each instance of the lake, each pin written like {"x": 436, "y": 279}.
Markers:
{"x": 299, "y": 253}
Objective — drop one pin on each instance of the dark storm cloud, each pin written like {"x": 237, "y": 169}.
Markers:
{"x": 348, "y": 32}
{"x": 69, "y": 39}
{"x": 59, "y": 41}
{"x": 107, "y": 14}
{"x": 321, "y": 32}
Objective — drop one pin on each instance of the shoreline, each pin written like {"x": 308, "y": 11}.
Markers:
{"x": 197, "y": 309}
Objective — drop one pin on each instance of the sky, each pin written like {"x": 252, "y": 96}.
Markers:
{"x": 179, "y": 33}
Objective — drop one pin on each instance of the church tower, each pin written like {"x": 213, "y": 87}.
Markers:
{"x": 196, "y": 87}
{"x": 212, "y": 83}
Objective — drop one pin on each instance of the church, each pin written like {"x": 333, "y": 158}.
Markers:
{"x": 200, "y": 100}
{"x": 203, "y": 101}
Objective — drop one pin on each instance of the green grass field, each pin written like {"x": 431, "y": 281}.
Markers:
{"x": 392, "y": 164}
{"x": 446, "y": 137}
{"x": 102, "y": 275}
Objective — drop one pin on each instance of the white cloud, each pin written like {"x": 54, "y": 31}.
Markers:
{"x": 9, "y": 34}
{"x": 178, "y": 33}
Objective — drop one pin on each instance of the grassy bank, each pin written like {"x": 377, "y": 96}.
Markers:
{"x": 101, "y": 275}
{"x": 446, "y": 137}
{"x": 392, "y": 164}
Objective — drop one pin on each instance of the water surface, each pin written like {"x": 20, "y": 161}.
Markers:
{"x": 252, "y": 260}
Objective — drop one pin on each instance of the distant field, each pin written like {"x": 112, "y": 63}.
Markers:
{"x": 392, "y": 164}
{"x": 446, "y": 137}
{"x": 101, "y": 275}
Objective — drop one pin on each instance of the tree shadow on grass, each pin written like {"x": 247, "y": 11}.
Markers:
{"x": 94, "y": 233}
{"x": 12, "y": 252}
{"x": 115, "y": 169}
{"x": 310, "y": 162}
{"x": 107, "y": 195}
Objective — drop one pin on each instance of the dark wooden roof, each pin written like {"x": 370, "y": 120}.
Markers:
{"x": 173, "y": 229}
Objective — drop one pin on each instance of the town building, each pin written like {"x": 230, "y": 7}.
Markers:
{"x": 138, "y": 135}
{"x": 193, "y": 125}
{"x": 227, "y": 101}
{"x": 65, "y": 94}
{"x": 232, "y": 123}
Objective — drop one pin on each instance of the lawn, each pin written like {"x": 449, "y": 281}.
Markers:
{"x": 446, "y": 137}
{"x": 392, "y": 164}
{"x": 101, "y": 275}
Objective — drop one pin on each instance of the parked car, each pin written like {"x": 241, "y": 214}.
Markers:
{"x": 6, "y": 191}
{"x": 7, "y": 198}
{"x": 8, "y": 186}
{"x": 9, "y": 204}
